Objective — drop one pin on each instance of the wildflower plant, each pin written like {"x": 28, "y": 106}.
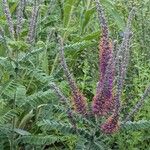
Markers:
{"x": 35, "y": 120}
{"x": 112, "y": 72}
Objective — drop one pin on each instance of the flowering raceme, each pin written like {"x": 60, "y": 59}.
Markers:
{"x": 103, "y": 100}
{"x": 112, "y": 71}
{"x": 79, "y": 102}
{"x": 111, "y": 125}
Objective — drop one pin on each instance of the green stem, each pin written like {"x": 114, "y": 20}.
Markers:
{"x": 54, "y": 64}
{"x": 12, "y": 147}
{"x": 13, "y": 125}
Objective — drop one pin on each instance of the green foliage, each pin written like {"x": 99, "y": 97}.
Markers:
{"x": 31, "y": 115}
{"x": 67, "y": 11}
{"x": 140, "y": 125}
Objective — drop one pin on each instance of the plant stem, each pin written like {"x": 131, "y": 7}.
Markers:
{"x": 13, "y": 125}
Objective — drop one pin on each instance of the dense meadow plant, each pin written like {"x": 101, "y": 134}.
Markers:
{"x": 106, "y": 101}
{"x": 29, "y": 120}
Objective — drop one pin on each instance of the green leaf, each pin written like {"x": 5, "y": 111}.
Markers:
{"x": 91, "y": 36}
{"x": 117, "y": 18}
{"x": 18, "y": 45}
{"x": 21, "y": 132}
{"x": 14, "y": 6}
{"x": 40, "y": 139}
{"x": 68, "y": 6}
{"x": 135, "y": 126}
{"x": 87, "y": 15}
{"x": 110, "y": 7}
{"x": 43, "y": 60}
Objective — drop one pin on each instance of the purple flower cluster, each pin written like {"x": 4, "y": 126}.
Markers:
{"x": 111, "y": 125}
{"x": 79, "y": 102}
{"x": 106, "y": 101}
{"x": 103, "y": 99}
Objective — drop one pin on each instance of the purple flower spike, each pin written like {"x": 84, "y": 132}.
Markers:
{"x": 79, "y": 101}
{"x": 103, "y": 101}
{"x": 111, "y": 125}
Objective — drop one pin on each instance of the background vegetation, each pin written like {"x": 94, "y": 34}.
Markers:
{"x": 31, "y": 114}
